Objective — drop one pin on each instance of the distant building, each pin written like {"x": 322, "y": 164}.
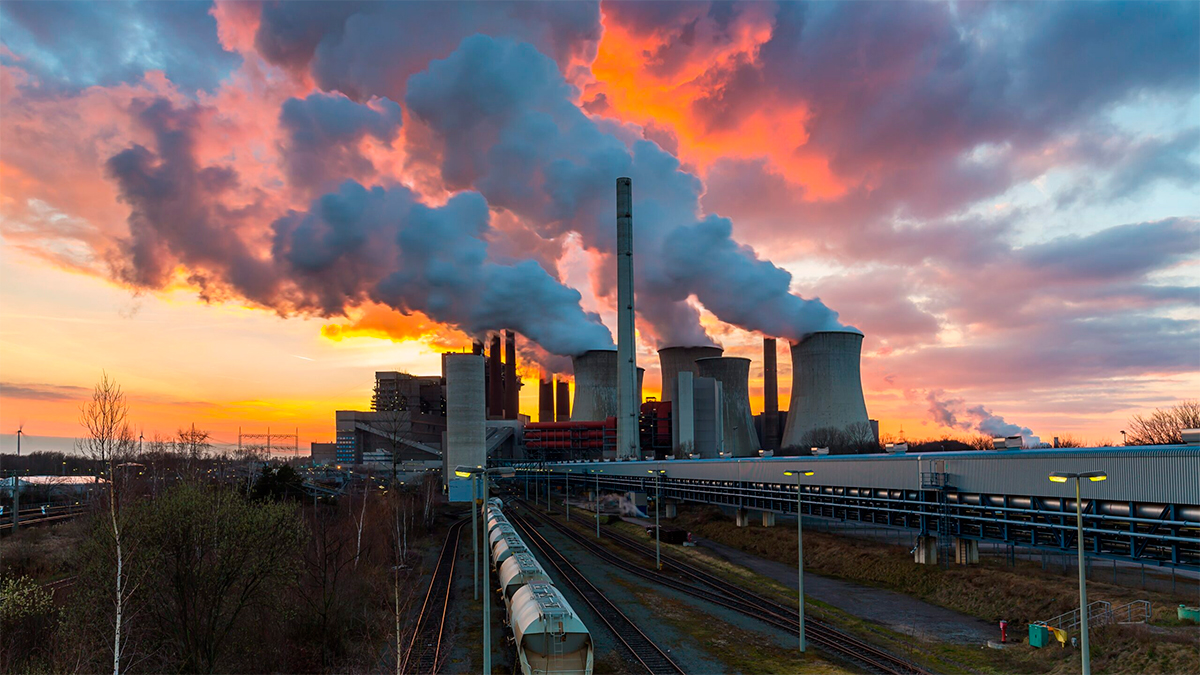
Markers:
{"x": 414, "y": 436}
{"x": 324, "y": 453}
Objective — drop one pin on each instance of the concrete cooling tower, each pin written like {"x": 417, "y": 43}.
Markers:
{"x": 826, "y": 387}
{"x": 465, "y": 415}
{"x": 673, "y": 360}
{"x": 737, "y": 424}
{"x": 595, "y": 386}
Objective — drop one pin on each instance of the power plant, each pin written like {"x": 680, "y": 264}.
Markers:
{"x": 675, "y": 360}
{"x": 827, "y": 395}
{"x": 738, "y": 438}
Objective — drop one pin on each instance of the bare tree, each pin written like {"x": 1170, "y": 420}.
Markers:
{"x": 110, "y": 442}
{"x": 1165, "y": 425}
{"x": 191, "y": 445}
{"x": 981, "y": 442}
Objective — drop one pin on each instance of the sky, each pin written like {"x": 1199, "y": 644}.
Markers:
{"x": 241, "y": 210}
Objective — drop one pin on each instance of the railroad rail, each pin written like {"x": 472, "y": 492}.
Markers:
{"x": 701, "y": 584}
{"x": 34, "y": 516}
{"x": 424, "y": 653}
{"x": 643, "y": 649}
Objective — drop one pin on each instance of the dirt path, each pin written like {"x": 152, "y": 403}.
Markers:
{"x": 898, "y": 612}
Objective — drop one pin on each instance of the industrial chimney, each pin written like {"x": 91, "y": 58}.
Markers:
{"x": 562, "y": 403}
{"x": 495, "y": 381}
{"x": 627, "y": 390}
{"x": 770, "y": 395}
{"x": 546, "y": 400}
{"x": 737, "y": 424}
{"x": 595, "y": 386}
{"x": 512, "y": 384}
{"x": 466, "y": 427}
{"x": 826, "y": 387}
{"x": 674, "y": 360}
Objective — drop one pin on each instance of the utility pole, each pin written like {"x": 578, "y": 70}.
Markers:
{"x": 17, "y": 488}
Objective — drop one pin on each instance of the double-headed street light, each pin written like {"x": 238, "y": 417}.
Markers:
{"x": 800, "y": 545}
{"x": 658, "y": 474}
{"x": 481, "y": 473}
{"x": 1095, "y": 477}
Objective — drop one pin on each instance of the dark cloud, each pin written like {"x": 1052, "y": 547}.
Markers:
{"x": 43, "y": 392}
{"x": 370, "y": 48}
{"x": 1121, "y": 252}
{"x": 322, "y": 135}
{"x": 509, "y": 127}
{"x": 72, "y": 45}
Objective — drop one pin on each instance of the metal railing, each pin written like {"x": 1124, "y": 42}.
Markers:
{"x": 1098, "y": 614}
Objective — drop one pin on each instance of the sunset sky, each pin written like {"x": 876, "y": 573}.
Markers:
{"x": 241, "y": 210}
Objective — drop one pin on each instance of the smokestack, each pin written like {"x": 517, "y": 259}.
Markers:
{"x": 826, "y": 388}
{"x": 546, "y": 401}
{"x": 737, "y": 424}
{"x": 595, "y": 386}
{"x": 477, "y": 347}
{"x": 495, "y": 385}
{"x": 562, "y": 406}
{"x": 627, "y": 405}
{"x": 512, "y": 385}
{"x": 770, "y": 395}
{"x": 674, "y": 360}
{"x": 465, "y": 418}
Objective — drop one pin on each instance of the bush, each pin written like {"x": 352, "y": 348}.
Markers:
{"x": 28, "y": 618}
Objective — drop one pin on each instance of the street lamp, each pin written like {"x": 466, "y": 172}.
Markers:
{"x": 597, "y": 473}
{"x": 471, "y": 472}
{"x": 567, "y": 496}
{"x": 1123, "y": 441}
{"x": 657, "y": 533}
{"x": 800, "y": 546}
{"x": 1095, "y": 477}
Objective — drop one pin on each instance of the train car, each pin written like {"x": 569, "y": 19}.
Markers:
{"x": 496, "y": 502}
{"x": 505, "y": 547}
{"x": 499, "y": 532}
{"x": 519, "y": 570}
{"x": 549, "y": 636}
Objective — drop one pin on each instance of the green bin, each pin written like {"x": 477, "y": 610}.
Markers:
{"x": 1039, "y": 635}
{"x": 1189, "y": 613}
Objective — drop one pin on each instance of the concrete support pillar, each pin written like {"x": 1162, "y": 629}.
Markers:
{"x": 966, "y": 551}
{"x": 670, "y": 509}
{"x": 768, "y": 518}
{"x": 743, "y": 518}
{"x": 927, "y": 549}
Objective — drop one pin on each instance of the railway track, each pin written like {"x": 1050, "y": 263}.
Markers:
{"x": 34, "y": 517}
{"x": 643, "y": 649}
{"x": 698, "y": 583}
{"x": 425, "y": 653}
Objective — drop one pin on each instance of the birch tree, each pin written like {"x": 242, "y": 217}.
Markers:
{"x": 110, "y": 442}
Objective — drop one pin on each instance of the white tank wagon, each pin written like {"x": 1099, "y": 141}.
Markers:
{"x": 550, "y": 637}
{"x": 501, "y": 531}
{"x": 827, "y": 393}
{"x": 505, "y": 547}
{"x": 739, "y": 438}
{"x": 519, "y": 570}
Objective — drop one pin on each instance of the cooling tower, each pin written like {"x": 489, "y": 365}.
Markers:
{"x": 770, "y": 419}
{"x": 595, "y": 386}
{"x": 465, "y": 415}
{"x": 562, "y": 402}
{"x": 826, "y": 387}
{"x": 673, "y": 360}
{"x": 628, "y": 389}
{"x": 737, "y": 424}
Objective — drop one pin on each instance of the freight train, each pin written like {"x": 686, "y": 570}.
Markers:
{"x": 550, "y": 637}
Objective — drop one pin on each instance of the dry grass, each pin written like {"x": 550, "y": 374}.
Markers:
{"x": 43, "y": 553}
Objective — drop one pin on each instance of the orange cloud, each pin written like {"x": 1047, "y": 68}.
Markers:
{"x": 384, "y": 323}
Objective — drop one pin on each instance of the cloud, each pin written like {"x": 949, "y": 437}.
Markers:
{"x": 69, "y": 46}
{"x": 43, "y": 392}
{"x": 955, "y": 414}
{"x": 322, "y": 134}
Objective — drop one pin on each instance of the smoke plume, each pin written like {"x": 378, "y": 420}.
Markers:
{"x": 509, "y": 128}
{"x": 954, "y": 413}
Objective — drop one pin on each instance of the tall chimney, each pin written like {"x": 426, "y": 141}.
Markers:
{"x": 512, "y": 385}
{"x": 495, "y": 390}
{"x": 546, "y": 400}
{"x": 627, "y": 404}
{"x": 770, "y": 395}
{"x": 477, "y": 347}
{"x": 562, "y": 403}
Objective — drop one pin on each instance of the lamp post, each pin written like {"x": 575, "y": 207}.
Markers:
{"x": 1123, "y": 441}
{"x": 800, "y": 547}
{"x": 1095, "y": 477}
{"x": 482, "y": 474}
{"x": 475, "y": 530}
{"x": 597, "y": 473}
{"x": 657, "y": 534}
{"x": 567, "y": 496}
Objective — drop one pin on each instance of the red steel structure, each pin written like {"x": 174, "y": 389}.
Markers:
{"x": 572, "y": 440}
